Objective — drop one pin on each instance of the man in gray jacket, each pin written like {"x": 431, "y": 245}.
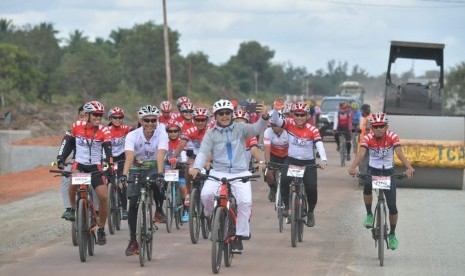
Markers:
{"x": 225, "y": 143}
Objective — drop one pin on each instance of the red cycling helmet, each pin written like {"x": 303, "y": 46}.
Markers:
{"x": 115, "y": 111}
{"x": 187, "y": 106}
{"x": 173, "y": 124}
{"x": 201, "y": 113}
{"x": 166, "y": 106}
{"x": 94, "y": 107}
{"x": 300, "y": 107}
{"x": 182, "y": 100}
{"x": 241, "y": 114}
{"x": 378, "y": 118}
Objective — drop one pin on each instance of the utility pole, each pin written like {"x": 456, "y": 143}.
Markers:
{"x": 256, "y": 81}
{"x": 169, "y": 89}
{"x": 189, "y": 77}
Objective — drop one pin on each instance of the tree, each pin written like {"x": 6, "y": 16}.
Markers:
{"x": 455, "y": 90}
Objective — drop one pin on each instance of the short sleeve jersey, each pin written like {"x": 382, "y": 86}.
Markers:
{"x": 381, "y": 151}
{"x": 301, "y": 140}
{"x": 146, "y": 150}
{"x": 118, "y": 135}
{"x": 279, "y": 144}
{"x": 89, "y": 142}
{"x": 195, "y": 136}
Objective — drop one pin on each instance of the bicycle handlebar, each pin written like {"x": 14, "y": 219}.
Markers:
{"x": 396, "y": 176}
{"x": 224, "y": 180}
{"x": 273, "y": 165}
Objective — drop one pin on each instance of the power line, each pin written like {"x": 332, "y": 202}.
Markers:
{"x": 442, "y": 4}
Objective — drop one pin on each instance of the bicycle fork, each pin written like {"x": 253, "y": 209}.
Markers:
{"x": 380, "y": 225}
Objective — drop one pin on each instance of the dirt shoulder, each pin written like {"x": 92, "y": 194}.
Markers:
{"x": 15, "y": 186}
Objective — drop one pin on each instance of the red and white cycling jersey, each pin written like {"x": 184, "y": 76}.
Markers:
{"x": 381, "y": 151}
{"x": 118, "y": 136}
{"x": 89, "y": 142}
{"x": 301, "y": 140}
{"x": 195, "y": 136}
{"x": 251, "y": 141}
{"x": 184, "y": 127}
{"x": 279, "y": 144}
{"x": 173, "y": 116}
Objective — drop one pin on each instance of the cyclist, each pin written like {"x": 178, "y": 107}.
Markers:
{"x": 194, "y": 135}
{"x": 66, "y": 180}
{"x": 180, "y": 101}
{"x": 118, "y": 134}
{"x": 90, "y": 139}
{"x": 303, "y": 137}
{"x": 276, "y": 144}
{"x": 251, "y": 144}
{"x": 225, "y": 145}
{"x": 381, "y": 146}
{"x": 343, "y": 124}
{"x": 167, "y": 112}
{"x": 145, "y": 150}
{"x": 356, "y": 116}
{"x": 365, "y": 128}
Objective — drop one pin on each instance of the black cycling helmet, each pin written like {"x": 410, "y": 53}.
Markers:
{"x": 366, "y": 108}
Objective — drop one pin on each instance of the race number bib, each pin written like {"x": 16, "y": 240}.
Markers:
{"x": 81, "y": 179}
{"x": 296, "y": 171}
{"x": 172, "y": 175}
{"x": 381, "y": 182}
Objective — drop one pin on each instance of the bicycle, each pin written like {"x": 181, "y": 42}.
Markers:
{"x": 224, "y": 220}
{"x": 86, "y": 218}
{"x": 173, "y": 205}
{"x": 343, "y": 148}
{"x": 380, "y": 225}
{"x": 298, "y": 205}
{"x": 355, "y": 138}
{"x": 145, "y": 225}
{"x": 114, "y": 201}
{"x": 197, "y": 220}
{"x": 279, "y": 204}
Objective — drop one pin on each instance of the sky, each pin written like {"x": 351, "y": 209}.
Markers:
{"x": 304, "y": 33}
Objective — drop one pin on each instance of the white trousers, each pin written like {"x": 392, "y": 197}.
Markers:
{"x": 241, "y": 191}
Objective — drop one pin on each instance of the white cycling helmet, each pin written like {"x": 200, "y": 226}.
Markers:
{"x": 148, "y": 110}
{"x": 222, "y": 104}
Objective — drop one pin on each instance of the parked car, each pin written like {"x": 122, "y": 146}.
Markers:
{"x": 329, "y": 107}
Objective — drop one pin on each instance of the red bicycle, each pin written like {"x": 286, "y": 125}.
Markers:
{"x": 224, "y": 220}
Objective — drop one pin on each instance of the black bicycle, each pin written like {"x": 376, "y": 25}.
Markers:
{"x": 380, "y": 227}
{"x": 279, "y": 204}
{"x": 197, "y": 219}
{"x": 224, "y": 220}
{"x": 145, "y": 226}
{"x": 114, "y": 202}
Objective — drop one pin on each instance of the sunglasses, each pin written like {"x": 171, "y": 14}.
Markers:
{"x": 117, "y": 118}
{"x": 378, "y": 127}
{"x": 222, "y": 113}
{"x": 99, "y": 115}
{"x": 153, "y": 121}
{"x": 188, "y": 111}
{"x": 200, "y": 120}
{"x": 173, "y": 131}
{"x": 300, "y": 114}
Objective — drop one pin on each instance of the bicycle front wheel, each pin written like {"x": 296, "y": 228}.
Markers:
{"x": 141, "y": 231}
{"x": 111, "y": 208}
{"x": 295, "y": 216}
{"x": 179, "y": 206}
{"x": 194, "y": 213}
{"x": 380, "y": 225}
{"x": 169, "y": 210}
{"x": 303, "y": 210}
{"x": 150, "y": 230}
{"x": 279, "y": 205}
{"x": 228, "y": 255}
{"x": 343, "y": 152}
{"x": 82, "y": 234}
{"x": 74, "y": 237}
{"x": 91, "y": 230}
{"x": 119, "y": 209}
{"x": 218, "y": 238}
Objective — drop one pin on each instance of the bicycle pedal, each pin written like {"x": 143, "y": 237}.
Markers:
{"x": 236, "y": 252}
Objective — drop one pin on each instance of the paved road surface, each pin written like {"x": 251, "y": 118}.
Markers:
{"x": 430, "y": 231}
